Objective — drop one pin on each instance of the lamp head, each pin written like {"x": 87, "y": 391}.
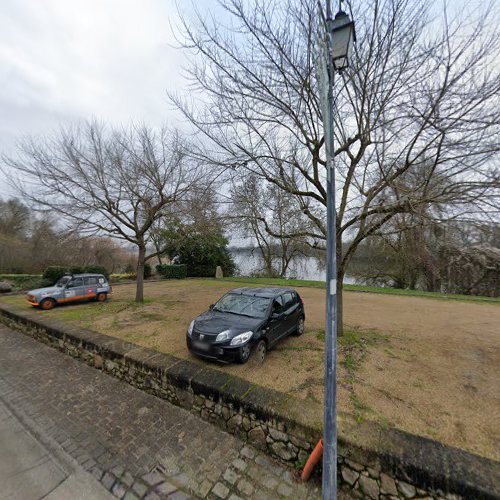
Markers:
{"x": 343, "y": 36}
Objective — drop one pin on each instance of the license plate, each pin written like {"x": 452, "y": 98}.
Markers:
{"x": 201, "y": 346}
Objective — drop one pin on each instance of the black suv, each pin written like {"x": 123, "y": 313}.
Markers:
{"x": 243, "y": 319}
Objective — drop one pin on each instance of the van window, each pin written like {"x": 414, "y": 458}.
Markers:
{"x": 75, "y": 282}
{"x": 92, "y": 280}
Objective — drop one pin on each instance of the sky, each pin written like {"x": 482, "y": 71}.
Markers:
{"x": 66, "y": 60}
{"x": 62, "y": 61}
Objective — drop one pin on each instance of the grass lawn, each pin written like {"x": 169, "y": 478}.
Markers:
{"x": 365, "y": 288}
{"x": 426, "y": 366}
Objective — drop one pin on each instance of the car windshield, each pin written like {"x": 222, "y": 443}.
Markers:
{"x": 63, "y": 281}
{"x": 244, "y": 305}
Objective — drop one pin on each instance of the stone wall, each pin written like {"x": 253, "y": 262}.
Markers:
{"x": 373, "y": 462}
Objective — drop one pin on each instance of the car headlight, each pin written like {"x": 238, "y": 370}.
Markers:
{"x": 222, "y": 336}
{"x": 241, "y": 338}
{"x": 190, "y": 328}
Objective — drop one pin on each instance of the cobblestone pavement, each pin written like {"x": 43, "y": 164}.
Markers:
{"x": 135, "y": 444}
{"x": 28, "y": 470}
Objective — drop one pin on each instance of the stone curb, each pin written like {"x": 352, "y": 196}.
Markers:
{"x": 373, "y": 461}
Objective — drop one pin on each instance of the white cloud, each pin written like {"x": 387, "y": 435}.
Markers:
{"x": 66, "y": 60}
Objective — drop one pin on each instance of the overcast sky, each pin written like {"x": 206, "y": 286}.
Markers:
{"x": 62, "y": 60}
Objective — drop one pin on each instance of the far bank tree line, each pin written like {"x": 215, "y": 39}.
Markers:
{"x": 417, "y": 121}
{"x": 34, "y": 243}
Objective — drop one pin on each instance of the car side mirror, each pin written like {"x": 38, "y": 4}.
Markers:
{"x": 211, "y": 306}
{"x": 275, "y": 315}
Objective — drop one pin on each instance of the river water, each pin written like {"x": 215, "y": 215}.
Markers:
{"x": 302, "y": 268}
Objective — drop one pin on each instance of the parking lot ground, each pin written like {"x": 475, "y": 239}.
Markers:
{"x": 423, "y": 365}
{"x": 134, "y": 444}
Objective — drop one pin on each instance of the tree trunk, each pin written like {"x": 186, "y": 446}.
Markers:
{"x": 268, "y": 264}
{"x": 158, "y": 251}
{"x": 139, "y": 293}
{"x": 266, "y": 256}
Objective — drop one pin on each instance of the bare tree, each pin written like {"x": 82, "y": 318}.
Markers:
{"x": 15, "y": 221}
{"x": 272, "y": 219}
{"x": 105, "y": 181}
{"x": 472, "y": 269}
{"x": 423, "y": 88}
{"x": 14, "y": 218}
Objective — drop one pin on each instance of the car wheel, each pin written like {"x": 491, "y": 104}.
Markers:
{"x": 47, "y": 304}
{"x": 101, "y": 297}
{"x": 260, "y": 352}
{"x": 244, "y": 353}
{"x": 300, "y": 327}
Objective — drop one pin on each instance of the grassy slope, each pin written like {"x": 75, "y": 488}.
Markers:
{"x": 365, "y": 288}
{"x": 27, "y": 281}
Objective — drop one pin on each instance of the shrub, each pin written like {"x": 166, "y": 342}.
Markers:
{"x": 76, "y": 270}
{"x": 169, "y": 271}
{"x": 129, "y": 269}
{"x": 25, "y": 281}
{"x": 54, "y": 273}
{"x": 96, "y": 270}
{"x": 147, "y": 271}
{"x": 117, "y": 278}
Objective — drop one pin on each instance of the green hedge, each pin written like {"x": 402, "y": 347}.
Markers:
{"x": 121, "y": 277}
{"x": 147, "y": 270}
{"x": 169, "y": 271}
{"x": 96, "y": 270}
{"x": 54, "y": 273}
{"x": 24, "y": 281}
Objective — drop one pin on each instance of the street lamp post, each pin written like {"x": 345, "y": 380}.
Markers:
{"x": 339, "y": 41}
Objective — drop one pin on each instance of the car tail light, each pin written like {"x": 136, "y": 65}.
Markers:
{"x": 300, "y": 298}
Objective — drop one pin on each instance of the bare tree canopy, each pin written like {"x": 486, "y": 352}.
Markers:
{"x": 422, "y": 90}
{"x": 447, "y": 258}
{"x": 266, "y": 213}
{"x": 106, "y": 181}
{"x": 30, "y": 242}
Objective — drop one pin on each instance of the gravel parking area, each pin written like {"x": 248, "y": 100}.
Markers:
{"x": 423, "y": 365}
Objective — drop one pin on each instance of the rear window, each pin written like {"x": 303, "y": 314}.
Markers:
{"x": 278, "y": 304}
{"x": 288, "y": 299}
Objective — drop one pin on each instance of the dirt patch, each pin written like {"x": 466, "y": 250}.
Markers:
{"x": 426, "y": 366}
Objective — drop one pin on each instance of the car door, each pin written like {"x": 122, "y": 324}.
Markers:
{"x": 75, "y": 290}
{"x": 291, "y": 311}
{"x": 276, "y": 327}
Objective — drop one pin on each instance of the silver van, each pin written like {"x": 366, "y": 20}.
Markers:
{"x": 71, "y": 288}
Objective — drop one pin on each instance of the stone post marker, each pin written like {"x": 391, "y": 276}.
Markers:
{"x": 218, "y": 273}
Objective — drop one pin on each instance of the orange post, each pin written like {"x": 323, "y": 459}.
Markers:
{"x": 313, "y": 459}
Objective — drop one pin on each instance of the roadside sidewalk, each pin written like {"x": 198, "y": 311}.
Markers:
{"x": 29, "y": 470}
{"x": 132, "y": 443}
